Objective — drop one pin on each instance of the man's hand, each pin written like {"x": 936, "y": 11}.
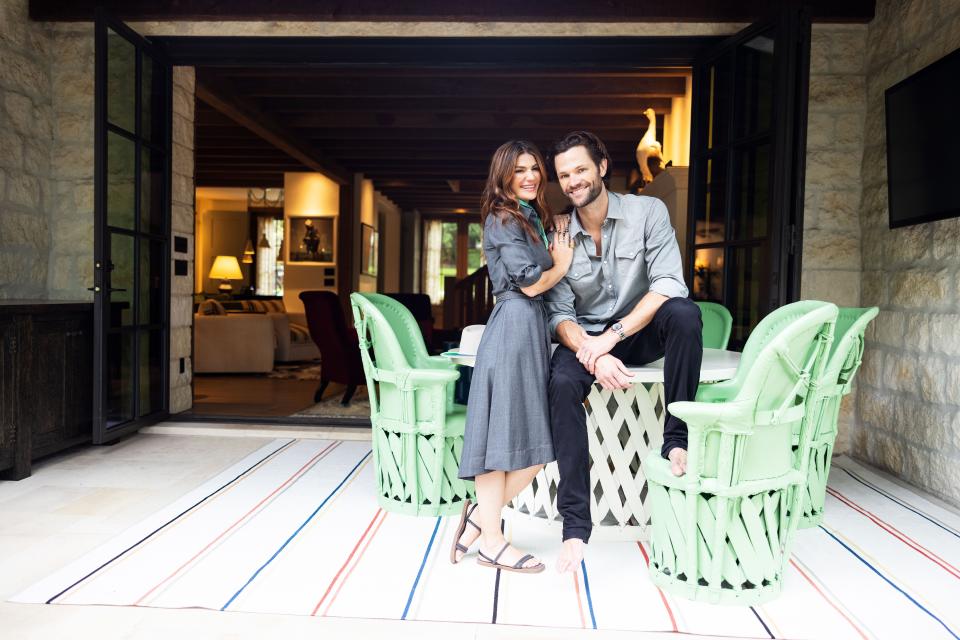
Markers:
{"x": 612, "y": 374}
{"x": 592, "y": 347}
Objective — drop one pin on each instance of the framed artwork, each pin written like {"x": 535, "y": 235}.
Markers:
{"x": 311, "y": 239}
{"x": 368, "y": 249}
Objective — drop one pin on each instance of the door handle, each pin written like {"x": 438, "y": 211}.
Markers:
{"x": 97, "y": 289}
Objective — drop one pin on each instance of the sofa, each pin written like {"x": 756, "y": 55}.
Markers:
{"x": 293, "y": 340}
{"x": 232, "y": 343}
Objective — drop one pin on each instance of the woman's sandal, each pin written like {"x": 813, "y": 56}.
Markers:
{"x": 485, "y": 561}
{"x": 468, "y": 510}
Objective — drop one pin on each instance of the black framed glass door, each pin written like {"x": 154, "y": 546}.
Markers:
{"x": 132, "y": 226}
{"x": 747, "y": 169}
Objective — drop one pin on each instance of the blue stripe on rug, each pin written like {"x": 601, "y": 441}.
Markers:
{"x": 586, "y": 588}
{"x": 890, "y": 582}
{"x": 295, "y": 533}
{"x": 903, "y": 504}
{"x": 423, "y": 563}
{"x": 173, "y": 519}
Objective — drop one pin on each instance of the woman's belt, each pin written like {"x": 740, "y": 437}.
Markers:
{"x": 511, "y": 295}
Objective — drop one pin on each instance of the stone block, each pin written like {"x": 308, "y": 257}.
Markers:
{"x": 834, "y": 169}
{"x": 12, "y": 145}
{"x": 183, "y": 190}
{"x": 74, "y": 50}
{"x": 871, "y": 369}
{"x": 72, "y": 162}
{"x": 873, "y": 288}
{"x": 185, "y": 77}
{"x": 73, "y": 89}
{"x": 837, "y": 91}
{"x": 889, "y": 328}
{"x": 946, "y": 241}
{"x": 182, "y": 161}
{"x": 36, "y": 157}
{"x": 28, "y": 230}
{"x": 22, "y": 74}
{"x": 181, "y": 398}
{"x": 20, "y": 111}
{"x": 945, "y": 335}
{"x": 182, "y": 131}
{"x": 921, "y": 289}
{"x": 916, "y": 335}
{"x": 876, "y": 408}
{"x": 824, "y": 250}
{"x": 931, "y": 378}
{"x": 849, "y": 129}
{"x": 901, "y": 372}
{"x": 839, "y": 287}
{"x": 839, "y": 210}
{"x": 181, "y": 341}
{"x": 75, "y": 127}
{"x": 181, "y": 311}
{"x": 848, "y": 54}
{"x": 24, "y": 190}
{"x": 821, "y": 132}
{"x": 907, "y": 245}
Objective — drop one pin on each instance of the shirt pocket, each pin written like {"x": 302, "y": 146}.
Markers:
{"x": 580, "y": 268}
{"x": 629, "y": 250}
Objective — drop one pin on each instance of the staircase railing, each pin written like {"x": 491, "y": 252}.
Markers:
{"x": 468, "y": 301}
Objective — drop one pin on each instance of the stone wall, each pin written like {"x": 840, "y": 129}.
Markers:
{"x": 831, "y": 221}
{"x": 26, "y": 139}
{"x": 182, "y": 224}
{"x": 909, "y": 393}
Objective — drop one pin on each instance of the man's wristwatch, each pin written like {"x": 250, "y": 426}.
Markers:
{"x": 617, "y": 328}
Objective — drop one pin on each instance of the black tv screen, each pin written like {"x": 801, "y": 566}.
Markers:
{"x": 923, "y": 144}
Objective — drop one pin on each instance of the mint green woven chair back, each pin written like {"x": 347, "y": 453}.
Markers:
{"x": 783, "y": 355}
{"x": 410, "y": 338}
{"x": 417, "y": 442}
{"x": 717, "y": 324}
{"x": 844, "y": 360}
{"x": 722, "y": 533}
{"x": 405, "y": 327}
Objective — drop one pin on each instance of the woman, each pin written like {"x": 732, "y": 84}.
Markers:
{"x": 507, "y": 434}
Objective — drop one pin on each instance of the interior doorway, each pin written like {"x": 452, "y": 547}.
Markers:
{"x": 411, "y": 123}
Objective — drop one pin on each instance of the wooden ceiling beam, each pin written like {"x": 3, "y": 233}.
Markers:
{"x": 224, "y": 99}
{"x": 475, "y": 120}
{"x": 559, "y": 105}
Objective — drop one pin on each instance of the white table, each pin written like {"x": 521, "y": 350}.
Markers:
{"x": 623, "y": 426}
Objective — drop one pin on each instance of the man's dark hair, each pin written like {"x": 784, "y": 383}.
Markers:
{"x": 593, "y": 145}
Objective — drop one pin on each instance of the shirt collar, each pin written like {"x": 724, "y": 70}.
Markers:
{"x": 614, "y": 211}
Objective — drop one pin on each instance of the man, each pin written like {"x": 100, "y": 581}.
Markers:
{"x": 622, "y": 301}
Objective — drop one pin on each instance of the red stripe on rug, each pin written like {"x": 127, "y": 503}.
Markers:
{"x": 299, "y": 472}
{"x": 359, "y": 558}
{"x": 673, "y": 621}
{"x": 896, "y": 533}
{"x": 347, "y": 561}
{"x": 828, "y": 600}
{"x": 576, "y": 588}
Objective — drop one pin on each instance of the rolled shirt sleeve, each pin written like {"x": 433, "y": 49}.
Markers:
{"x": 559, "y": 305}
{"x": 662, "y": 255}
{"x": 513, "y": 247}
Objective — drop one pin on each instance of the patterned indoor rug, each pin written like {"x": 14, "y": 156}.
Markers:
{"x": 330, "y": 407}
{"x": 294, "y": 528}
{"x": 295, "y": 371}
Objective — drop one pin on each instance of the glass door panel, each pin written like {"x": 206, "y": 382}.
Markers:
{"x": 746, "y": 184}
{"x": 132, "y": 226}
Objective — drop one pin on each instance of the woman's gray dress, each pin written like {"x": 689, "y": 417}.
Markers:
{"x": 508, "y": 417}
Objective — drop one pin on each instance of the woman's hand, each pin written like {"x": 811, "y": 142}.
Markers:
{"x": 561, "y": 250}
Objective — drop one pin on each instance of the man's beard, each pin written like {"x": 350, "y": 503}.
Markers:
{"x": 592, "y": 194}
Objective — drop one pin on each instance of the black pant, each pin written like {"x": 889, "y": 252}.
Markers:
{"x": 676, "y": 332}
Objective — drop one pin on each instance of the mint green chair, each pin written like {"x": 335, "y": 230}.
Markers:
{"x": 717, "y": 324}
{"x": 722, "y": 533}
{"x": 844, "y": 360}
{"x": 417, "y": 439}
{"x": 410, "y": 337}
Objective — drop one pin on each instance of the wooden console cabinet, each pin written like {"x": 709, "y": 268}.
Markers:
{"x": 46, "y": 380}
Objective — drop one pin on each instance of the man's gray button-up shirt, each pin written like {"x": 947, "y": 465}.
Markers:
{"x": 639, "y": 254}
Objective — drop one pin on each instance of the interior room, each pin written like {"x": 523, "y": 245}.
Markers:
{"x": 413, "y": 145}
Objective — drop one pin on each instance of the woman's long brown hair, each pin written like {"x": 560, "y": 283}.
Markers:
{"x": 499, "y": 200}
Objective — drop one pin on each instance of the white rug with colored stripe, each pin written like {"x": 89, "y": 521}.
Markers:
{"x": 294, "y": 528}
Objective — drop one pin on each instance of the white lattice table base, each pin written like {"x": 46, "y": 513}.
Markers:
{"x": 622, "y": 427}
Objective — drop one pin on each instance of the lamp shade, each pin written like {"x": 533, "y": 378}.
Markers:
{"x": 226, "y": 268}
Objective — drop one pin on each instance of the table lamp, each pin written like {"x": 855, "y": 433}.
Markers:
{"x": 225, "y": 269}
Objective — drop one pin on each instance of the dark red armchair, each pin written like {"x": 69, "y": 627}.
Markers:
{"x": 338, "y": 344}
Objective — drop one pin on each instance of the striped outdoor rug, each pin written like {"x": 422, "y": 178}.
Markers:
{"x": 294, "y": 528}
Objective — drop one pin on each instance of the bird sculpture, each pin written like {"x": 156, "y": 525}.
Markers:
{"x": 649, "y": 151}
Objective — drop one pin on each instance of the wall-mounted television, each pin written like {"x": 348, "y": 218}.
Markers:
{"x": 923, "y": 144}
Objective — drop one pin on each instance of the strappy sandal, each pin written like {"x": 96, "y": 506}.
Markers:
{"x": 468, "y": 509}
{"x": 485, "y": 561}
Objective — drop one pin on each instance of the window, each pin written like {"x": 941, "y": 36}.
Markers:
{"x": 451, "y": 249}
{"x": 269, "y": 256}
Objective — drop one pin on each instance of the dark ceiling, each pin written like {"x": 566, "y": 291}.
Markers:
{"x": 424, "y": 135}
